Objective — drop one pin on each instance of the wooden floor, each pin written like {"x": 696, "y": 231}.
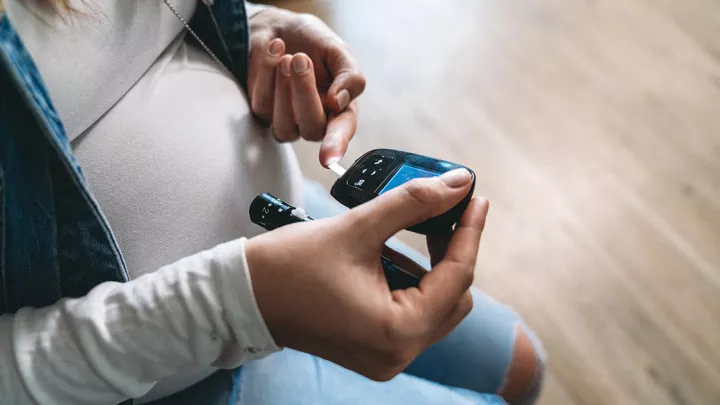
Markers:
{"x": 594, "y": 127}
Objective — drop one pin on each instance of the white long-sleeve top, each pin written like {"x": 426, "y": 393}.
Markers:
{"x": 120, "y": 339}
{"x": 170, "y": 151}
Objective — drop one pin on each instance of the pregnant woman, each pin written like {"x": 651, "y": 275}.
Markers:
{"x": 134, "y": 136}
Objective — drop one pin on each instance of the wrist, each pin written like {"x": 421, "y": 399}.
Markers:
{"x": 235, "y": 285}
{"x": 259, "y": 268}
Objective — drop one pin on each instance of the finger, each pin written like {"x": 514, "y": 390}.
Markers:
{"x": 450, "y": 279}
{"x": 437, "y": 245}
{"x": 263, "y": 83}
{"x": 283, "y": 120}
{"x": 412, "y": 203}
{"x": 309, "y": 112}
{"x": 348, "y": 83}
{"x": 458, "y": 312}
{"x": 340, "y": 131}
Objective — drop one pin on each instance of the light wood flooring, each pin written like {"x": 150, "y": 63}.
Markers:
{"x": 594, "y": 127}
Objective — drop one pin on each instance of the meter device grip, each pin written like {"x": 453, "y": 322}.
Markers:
{"x": 381, "y": 170}
{"x": 270, "y": 212}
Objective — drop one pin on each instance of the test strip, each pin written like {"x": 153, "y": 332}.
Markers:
{"x": 337, "y": 169}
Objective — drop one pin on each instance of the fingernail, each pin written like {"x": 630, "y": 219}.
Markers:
{"x": 343, "y": 99}
{"x": 299, "y": 64}
{"x": 275, "y": 47}
{"x": 456, "y": 178}
{"x": 285, "y": 67}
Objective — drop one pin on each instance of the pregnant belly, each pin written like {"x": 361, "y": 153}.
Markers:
{"x": 175, "y": 164}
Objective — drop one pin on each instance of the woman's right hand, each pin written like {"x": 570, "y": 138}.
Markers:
{"x": 321, "y": 289}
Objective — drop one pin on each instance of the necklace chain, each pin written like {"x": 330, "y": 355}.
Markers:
{"x": 192, "y": 32}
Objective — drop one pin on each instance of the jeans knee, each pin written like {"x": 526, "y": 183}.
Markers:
{"x": 526, "y": 372}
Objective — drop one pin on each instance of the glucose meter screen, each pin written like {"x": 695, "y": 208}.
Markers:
{"x": 405, "y": 174}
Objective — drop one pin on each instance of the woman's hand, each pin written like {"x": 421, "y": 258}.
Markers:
{"x": 321, "y": 289}
{"x": 303, "y": 80}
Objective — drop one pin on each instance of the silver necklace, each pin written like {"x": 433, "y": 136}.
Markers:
{"x": 200, "y": 41}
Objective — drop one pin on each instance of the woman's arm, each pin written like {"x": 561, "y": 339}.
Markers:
{"x": 318, "y": 286}
{"x": 117, "y": 341}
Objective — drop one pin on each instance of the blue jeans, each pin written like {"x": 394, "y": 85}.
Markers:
{"x": 466, "y": 367}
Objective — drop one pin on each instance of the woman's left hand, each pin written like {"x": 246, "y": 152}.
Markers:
{"x": 303, "y": 80}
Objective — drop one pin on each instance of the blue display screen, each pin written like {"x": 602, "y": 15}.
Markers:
{"x": 405, "y": 174}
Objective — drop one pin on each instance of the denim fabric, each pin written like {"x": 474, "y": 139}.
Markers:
{"x": 229, "y": 40}
{"x": 55, "y": 239}
{"x": 465, "y": 368}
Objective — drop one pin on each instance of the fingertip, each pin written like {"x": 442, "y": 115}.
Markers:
{"x": 276, "y": 47}
{"x": 301, "y": 63}
{"x": 343, "y": 99}
{"x": 329, "y": 156}
{"x": 330, "y": 152}
{"x": 346, "y": 87}
{"x": 326, "y": 160}
{"x": 482, "y": 202}
{"x": 285, "y": 65}
{"x": 476, "y": 213}
{"x": 457, "y": 178}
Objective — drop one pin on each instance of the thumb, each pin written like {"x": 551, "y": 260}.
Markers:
{"x": 413, "y": 202}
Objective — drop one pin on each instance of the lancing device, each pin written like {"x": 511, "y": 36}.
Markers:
{"x": 271, "y": 212}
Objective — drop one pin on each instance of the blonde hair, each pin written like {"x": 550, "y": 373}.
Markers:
{"x": 63, "y": 5}
{"x": 56, "y": 4}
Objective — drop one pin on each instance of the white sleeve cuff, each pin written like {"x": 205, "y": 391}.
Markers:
{"x": 243, "y": 315}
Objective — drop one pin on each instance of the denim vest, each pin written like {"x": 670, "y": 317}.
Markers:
{"x": 54, "y": 240}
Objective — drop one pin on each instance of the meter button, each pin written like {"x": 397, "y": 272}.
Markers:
{"x": 371, "y": 173}
{"x": 378, "y": 162}
{"x": 360, "y": 183}
{"x": 364, "y": 181}
{"x": 376, "y": 167}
